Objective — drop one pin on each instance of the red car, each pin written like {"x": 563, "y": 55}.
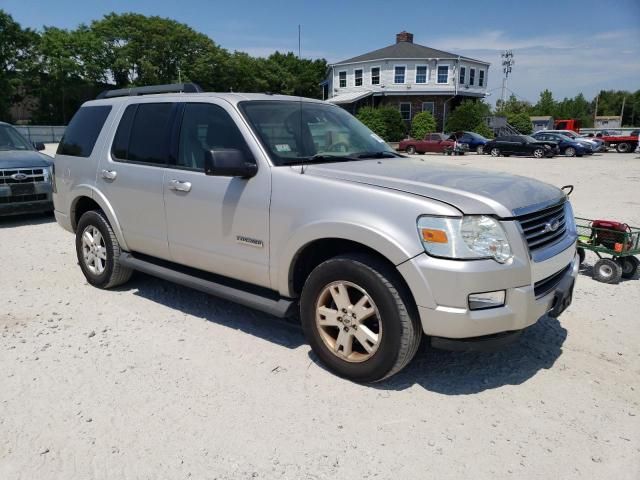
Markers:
{"x": 433, "y": 142}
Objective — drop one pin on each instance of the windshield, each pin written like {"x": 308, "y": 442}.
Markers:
{"x": 295, "y": 132}
{"x": 10, "y": 139}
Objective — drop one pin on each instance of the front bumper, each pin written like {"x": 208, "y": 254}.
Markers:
{"x": 447, "y": 285}
{"x": 40, "y": 201}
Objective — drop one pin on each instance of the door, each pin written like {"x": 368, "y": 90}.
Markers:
{"x": 217, "y": 224}
{"x": 131, "y": 175}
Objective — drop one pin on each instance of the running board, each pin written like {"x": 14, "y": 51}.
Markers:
{"x": 277, "y": 306}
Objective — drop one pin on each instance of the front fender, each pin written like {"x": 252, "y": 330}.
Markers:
{"x": 387, "y": 246}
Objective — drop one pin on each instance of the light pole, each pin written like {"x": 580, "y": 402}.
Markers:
{"x": 507, "y": 64}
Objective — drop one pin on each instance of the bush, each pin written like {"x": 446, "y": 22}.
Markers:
{"x": 521, "y": 122}
{"x": 422, "y": 124}
{"x": 483, "y": 129}
{"x": 385, "y": 122}
{"x": 467, "y": 116}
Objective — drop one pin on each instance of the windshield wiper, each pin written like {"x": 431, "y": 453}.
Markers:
{"x": 380, "y": 154}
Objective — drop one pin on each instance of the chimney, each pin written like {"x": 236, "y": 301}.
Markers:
{"x": 404, "y": 37}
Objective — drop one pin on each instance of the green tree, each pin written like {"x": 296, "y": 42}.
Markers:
{"x": 422, "y": 124}
{"x": 521, "y": 122}
{"x": 371, "y": 118}
{"x": 483, "y": 129}
{"x": 546, "y": 105}
{"x": 395, "y": 126}
{"x": 467, "y": 116}
{"x": 512, "y": 106}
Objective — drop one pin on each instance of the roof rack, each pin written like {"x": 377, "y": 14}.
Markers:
{"x": 152, "y": 89}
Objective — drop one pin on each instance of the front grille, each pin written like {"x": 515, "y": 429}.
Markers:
{"x": 536, "y": 226}
{"x": 544, "y": 286}
{"x": 24, "y": 198}
{"x": 33, "y": 175}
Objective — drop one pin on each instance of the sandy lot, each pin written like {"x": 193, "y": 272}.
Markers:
{"x": 156, "y": 381}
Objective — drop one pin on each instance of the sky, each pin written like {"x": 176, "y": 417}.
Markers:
{"x": 567, "y": 46}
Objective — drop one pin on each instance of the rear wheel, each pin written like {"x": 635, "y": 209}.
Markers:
{"x": 607, "y": 271}
{"x": 629, "y": 266}
{"x": 358, "y": 318}
{"x": 623, "y": 147}
{"x": 411, "y": 150}
{"x": 538, "y": 153}
{"x": 99, "y": 252}
{"x": 495, "y": 152}
{"x": 570, "y": 152}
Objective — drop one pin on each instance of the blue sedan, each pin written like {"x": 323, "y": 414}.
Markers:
{"x": 568, "y": 146}
{"x": 474, "y": 141}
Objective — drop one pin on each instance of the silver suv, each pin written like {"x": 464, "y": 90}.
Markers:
{"x": 288, "y": 204}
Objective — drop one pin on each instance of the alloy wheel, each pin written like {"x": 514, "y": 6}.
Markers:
{"x": 348, "y": 321}
{"x": 538, "y": 153}
{"x": 94, "y": 250}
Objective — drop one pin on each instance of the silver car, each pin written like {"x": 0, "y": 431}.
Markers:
{"x": 291, "y": 205}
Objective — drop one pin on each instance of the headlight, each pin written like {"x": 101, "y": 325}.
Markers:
{"x": 469, "y": 237}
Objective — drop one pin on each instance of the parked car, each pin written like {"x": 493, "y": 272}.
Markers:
{"x": 598, "y": 144}
{"x": 520, "y": 145}
{"x": 226, "y": 193}
{"x": 474, "y": 141}
{"x": 25, "y": 175}
{"x": 567, "y": 146}
{"x": 432, "y": 142}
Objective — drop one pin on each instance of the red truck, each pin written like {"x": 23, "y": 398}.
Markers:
{"x": 622, "y": 143}
{"x": 432, "y": 142}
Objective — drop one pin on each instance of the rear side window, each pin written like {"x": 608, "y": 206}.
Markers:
{"x": 83, "y": 130}
{"x": 143, "y": 134}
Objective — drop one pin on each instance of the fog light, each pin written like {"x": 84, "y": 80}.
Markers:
{"x": 481, "y": 301}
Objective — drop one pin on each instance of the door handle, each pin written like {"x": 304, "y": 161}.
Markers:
{"x": 178, "y": 186}
{"x": 108, "y": 174}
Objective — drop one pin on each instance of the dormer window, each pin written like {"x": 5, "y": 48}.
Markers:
{"x": 398, "y": 73}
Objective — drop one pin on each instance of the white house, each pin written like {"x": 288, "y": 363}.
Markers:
{"x": 411, "y": 77}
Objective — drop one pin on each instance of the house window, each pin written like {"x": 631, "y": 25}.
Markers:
{"x": 358, "y": 77}
{"x": 342, "y": 76}
{"x": 463, "y": 75}
{"x": 472, "y": 76}
{"x": 443, "y": 74}
{"x": 429, "y": 107}
{"x": 481, "y": 78}
{"x": 398, "y": 74}
{"x": 421, "y": 74}
{"x": 375, "y": 75}
{"x": 405, "y": 111}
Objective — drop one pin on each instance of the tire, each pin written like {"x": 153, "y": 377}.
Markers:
{"x": 100, "y": 272}
{"x": 495, "y": 152}
{"x": 581, "y": 255}
{"x": 480, "y": 149}
{"x": 570, "y": 152}
{"x": 607, "y": 271}
{"x": 629, "y": 266}
{"x": 538, "y": 153}
{"x": 393, "y": 318}
{"x": 623, "y": 147}
{"x": 411, "y": 150}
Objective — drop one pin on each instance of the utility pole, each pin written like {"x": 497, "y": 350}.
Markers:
{"x": 299, "y": 43}
{"x": 622, "y": 110}
{"x": 595, "y": 112}
{"x": 507, "y": 64}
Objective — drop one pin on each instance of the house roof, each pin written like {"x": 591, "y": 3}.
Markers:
{"x": 405, "y": 50}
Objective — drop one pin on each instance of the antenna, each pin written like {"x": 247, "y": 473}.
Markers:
{"x": 299, "y": 44}
{"x": 507, "y": 64}
{"x": 300, "y": 100}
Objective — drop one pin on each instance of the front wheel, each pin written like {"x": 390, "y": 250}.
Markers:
{"x": 99, "y": 252}
{"x": 570, "y": 152}
{"x": 495, "y": 152}
{"x": 411, "y": 150}
{"x": 358, "y": 318}
{"x": 538, "y": 153}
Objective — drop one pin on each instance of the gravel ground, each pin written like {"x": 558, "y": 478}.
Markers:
{"x": 155, "y": 381}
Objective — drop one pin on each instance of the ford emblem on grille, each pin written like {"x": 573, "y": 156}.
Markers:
{"x": 19, "y": 176}
{"x": 552, "y": 225}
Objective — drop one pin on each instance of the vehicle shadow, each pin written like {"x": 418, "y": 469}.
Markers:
{"x": 284, "y": 332}
{"x": 14, "y": 221}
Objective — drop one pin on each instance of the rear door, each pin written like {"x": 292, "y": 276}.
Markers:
{"x": 217, "y": 224}
{"x": 131, "y": 175}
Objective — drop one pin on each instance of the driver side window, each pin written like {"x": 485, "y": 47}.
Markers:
{"x": 206, "y": 127}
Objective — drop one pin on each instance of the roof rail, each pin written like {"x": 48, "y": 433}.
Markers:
{"x": 152, "y": 89}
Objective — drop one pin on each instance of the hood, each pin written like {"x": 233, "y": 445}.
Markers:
{"x": 23, "y": 159}
{"x": 469, "y": 190}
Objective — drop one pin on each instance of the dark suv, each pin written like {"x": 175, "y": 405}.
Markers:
{"x": 25, "y": 175}
{"x": 520, "y": 145}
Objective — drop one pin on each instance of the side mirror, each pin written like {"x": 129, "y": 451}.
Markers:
{"x": 38, "y": 146}
{"x": 229, "y": 162}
